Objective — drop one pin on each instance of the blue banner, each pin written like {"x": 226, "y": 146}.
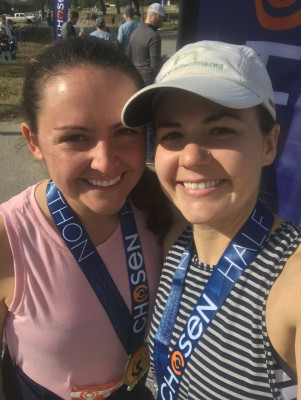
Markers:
{"x": 60, "y": 15}
{"x": 273, "y": 29}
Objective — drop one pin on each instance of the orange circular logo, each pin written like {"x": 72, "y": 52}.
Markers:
{"x": 177, "y": 362}
{"x": 272, "y": 22}
{"x": 140, "y": 293}
{"x": 59, "y": 14}
{"x": 137, "y": 365}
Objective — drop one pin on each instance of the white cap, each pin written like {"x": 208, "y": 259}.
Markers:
{"x": 157, "y": 9}
{"x": 230, "y": 75}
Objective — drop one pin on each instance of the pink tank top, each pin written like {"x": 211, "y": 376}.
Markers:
{"x": 56, "y": 330}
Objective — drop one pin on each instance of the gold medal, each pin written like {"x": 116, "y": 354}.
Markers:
{"x": 136, "y": 367}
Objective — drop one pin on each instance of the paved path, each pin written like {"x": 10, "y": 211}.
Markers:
{"x": 18, "y": 167}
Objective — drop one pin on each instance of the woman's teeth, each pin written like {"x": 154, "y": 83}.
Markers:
{"x": 111, "y": 182}
{"x": 202, "y": 185}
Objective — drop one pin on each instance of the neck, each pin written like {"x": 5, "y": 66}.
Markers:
{"x": 99, "y": 227}
{"x": 209, "y": 244}
{"x": 211, "y": 240}
{"x": 150, "y": 19}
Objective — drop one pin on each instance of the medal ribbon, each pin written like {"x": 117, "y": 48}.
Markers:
{"x": 130, "y": 329}
{"x": 237, "y": 257}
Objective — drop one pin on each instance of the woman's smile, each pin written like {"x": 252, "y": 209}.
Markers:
{"x": 92, "y": 158}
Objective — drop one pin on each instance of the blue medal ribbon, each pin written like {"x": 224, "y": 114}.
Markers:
{"x": 237, "y": 257}
{"x": 130, "y": 328}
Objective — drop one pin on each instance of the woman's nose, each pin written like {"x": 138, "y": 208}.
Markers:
{"x": 103, "y": 157}
{"x": 194, "y": 155}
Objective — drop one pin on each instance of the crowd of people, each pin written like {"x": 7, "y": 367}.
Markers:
{"x": 8, "y": 41}
{"x": 109, "y": 266}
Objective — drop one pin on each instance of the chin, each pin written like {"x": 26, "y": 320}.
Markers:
{"x": 197, "y": 215}
{"x": 104, "y": 207}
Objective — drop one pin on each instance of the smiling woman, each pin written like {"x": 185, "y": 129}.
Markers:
{"x": 227, "y": 320}
{"x": 81, "y": 253}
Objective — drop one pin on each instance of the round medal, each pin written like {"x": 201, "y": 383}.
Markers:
{"x": 136, "y": 367}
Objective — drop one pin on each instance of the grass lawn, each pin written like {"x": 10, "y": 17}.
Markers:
{"x": 12, "y": 75}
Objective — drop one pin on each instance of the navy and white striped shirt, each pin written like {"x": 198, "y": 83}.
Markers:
{"x": 233, "y": 360}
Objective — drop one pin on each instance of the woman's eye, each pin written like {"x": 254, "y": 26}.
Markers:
{"x": 222, "y": 131}
{"x": 127, "y": 131}
{"x": 74, "y": 139}
{"x": 169, "y": 136}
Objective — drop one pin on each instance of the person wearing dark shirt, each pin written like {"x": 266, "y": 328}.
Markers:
{"x": 5, "y": 46}
{"x": 68, "y": 29}
{"x": 144, "y": 47}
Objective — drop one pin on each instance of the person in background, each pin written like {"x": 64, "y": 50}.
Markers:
{"x": 14, "y": 47}
{"x": 4, "y": 24}
{"x": 127, "y": 28}
{"x": 80, "y": 252}
{"x": 100, "y": 31}
{"x": 49, "y": 20}
{"x": 144, "y": 46}
{"x": 68, "y": 29}
{"x": 144, "y": 49}
{"x": 5, "y": 45}
{"x": 227, "y": 319}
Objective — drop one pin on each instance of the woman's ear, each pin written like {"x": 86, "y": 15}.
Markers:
{"x": 271, "y": 145}
{"x": 32, "y": 141}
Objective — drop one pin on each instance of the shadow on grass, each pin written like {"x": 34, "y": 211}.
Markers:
{"x": 37, "y": 35}
{"x": 13, "y": 70}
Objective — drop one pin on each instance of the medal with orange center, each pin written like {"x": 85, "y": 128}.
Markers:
{"x": 136, "y": 367}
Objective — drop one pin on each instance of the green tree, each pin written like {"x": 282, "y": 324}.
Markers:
{"x": 5, "y": 7}
{"x": 90, "y": 3}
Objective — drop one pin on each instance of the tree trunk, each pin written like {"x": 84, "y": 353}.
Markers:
{"x": 103, "y": 7}
{"x": 118, "y": 6}
{"x": 136, "y": 7}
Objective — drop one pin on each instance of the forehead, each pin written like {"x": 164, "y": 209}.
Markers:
{"x": 86, "y": 77}
{"x": 86, "y": 88}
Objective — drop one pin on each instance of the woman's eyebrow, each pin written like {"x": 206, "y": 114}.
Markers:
{"x": 212, "y": 118}
{"x": 166, "y": 124}
{"x": 70, "y": 127}
{"x": 221, "y": 115}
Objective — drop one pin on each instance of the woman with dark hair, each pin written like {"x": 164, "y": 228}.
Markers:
{"x": 80, "y": 252}
{"x": 227, "y": 319}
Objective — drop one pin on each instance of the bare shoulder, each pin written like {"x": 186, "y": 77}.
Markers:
{"x": 177, "y": 227}
{"x": 283, "y": 312}
{"x": 287, "y": 286}
{"x": 289, "y": 281}
{"x": 6, "y": 267}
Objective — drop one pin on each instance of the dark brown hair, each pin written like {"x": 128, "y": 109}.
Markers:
{"x": 73, "y": 14}
{"x": 59, "y": 57}
{"x": 266, "y": 121}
